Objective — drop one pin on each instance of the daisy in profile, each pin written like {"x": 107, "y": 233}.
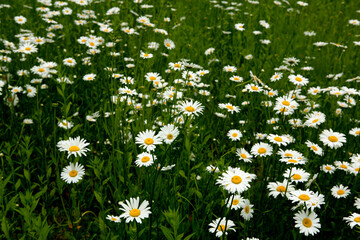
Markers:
{"x": 229, "y": 68}
{"x": 276, "y": 77}
{"x": 315, "y": 148}
{"x": 296, "y": 175}
{"x": 332, "y": 139}
{"x": 298, "y": 80}
{"x": 340, "y": 191}
{"x": 236, "y": 78}
{"x": 65, "y": 124}
{"x": 306, "y": 197}
{"x": 234, "y": 135}
{"x": 74, "y": 146}
{"x": 353, "y": 220}
{"x": 113, "y": 218}
{"x": 355, "y": 158}
{"x": 231, "y": 108}
{"x": 132, "y": 210}
{"x": 355, "y": 132}
{"x": 168, "y": 133}
{"x": 209, "y": 51}
{"x": 307, "y": 222}
{"x": 148, "y": 140}
{"x": 221, "y": 226}
{"x": 73, "y": 173}
{"x": 144, "y": 159}
{"x": 357, "y": 203}
{"x": 280, "y": 188}
{"x": 261, "y": 149}
{"x": 190, "y": 107}
{"x": 146, "y": 55}
{"x": 244, "y": 155}
{"x": 328, "y": 168}
{"x": 247, "y": 210}
{"x": 178, "y": 66}
{"x": 236, "y": 202}
{"x": 235, "y": 180}
{"x": 240, "y": 27}
{"x": 69, "y": 62}
{"x": 89, "y": 77}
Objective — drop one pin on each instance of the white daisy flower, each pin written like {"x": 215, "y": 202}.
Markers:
{"x": 234, "y": 134}
{"x": 332, "y": 139}
{"x": 73, "y": 173}
{"x": 235, "y": 180}
{"x": 145, "y": 159}
{"x": 261, "y": 149}
{"x": 132, "y": 210}
{"x": 168, "y": 133}
{"x": 221, "y": 226}
{"x": 353, "y": 220}
{"x": 148, "y": 140}
{"x": 73, "y": 146}
{"x": 307, "y": 222}
{"x": 340, "y": 191}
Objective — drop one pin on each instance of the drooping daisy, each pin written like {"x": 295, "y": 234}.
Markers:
{"x": 168, "y": 133}
{"x": 296, "y": 175}
{"x": 280, "y": 188}
{"x": 144, "y": 159}
{"x": 234, "y": 134}
{"x": 307, "y": 222}
{"x": 73, "y": 146}
{"x": 332, "y": 139}
{"x": 148, "y": 140}
{"x": 315, "y": 148}
{"x": 340, "y": 191}
{"x": 236, "y": 202}
{"x": 247, "y": 210}
{"x": 221, "y": 226}
{"x": 132, "y": 210}
{"x": 261, "y": 149}
{"x": 73, "y": 173}
{"x": 244, "y": 155}
{"x": 113, "y": 218}
{"x": 235, "y": 180}
{"x": 190, "y": 107}
{"x": 353, "y": 220}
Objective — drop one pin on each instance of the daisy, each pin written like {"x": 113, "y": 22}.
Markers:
{"x": 340, "y": 191}
{"x": 342, "y": 165}
{"x": 236, "y": 202}
{"x": 357, "y": 203}
{"x": 190, "y": 107}
{"x": 278, "y": 139}
{"x": 148, "y": 140}
{"x": 212, "y": 169}
{"x": 332, "y": 139}
{"x": 328, "y": 168}
{"x": 146, "y": 55}
{"x": 73, "y": 146}
{"x": 168, "y": 133}
{"x": 298, "y": 80}
{"x": 234, "y": 135}
{"x": 177, "y": 66}
{"x": 315, "y": 148}
{"x": 229, "y": 68}
{"x": 132, "y": 210}
{"x": 307, "y": 222}
{"x": 355, "y": 132}
{"x": 355, "y": 158}
{"x": 221, "y": 226}
{"x": 280, "y": 188}
{"x": 240, "y": 26}
{"x": 73, "y": 173}
{"x": 69, "y": 62}
{"x": 65, "y": 124}
{"x": 169, "y": 44}
{"x": 20, "y": 19}
{"x": 244, "y": 155}
{"x": 247, "y": 210}
{"x": 235, "y": 180}
{"x": 28, "y": 121}
{"x": 353, "y": 220}
{"x": 296, "y": 175}
{"x": 261, "y": 149}
{"x": 209, "y": 51}
{"x": 231, "y": 108}
{"x": 306, "y": 197}
{"x": 113, "y": 218}
{"x": 236, "y": 79}
{"x": 89, "y": 77}
{"x": 144, "y": 159}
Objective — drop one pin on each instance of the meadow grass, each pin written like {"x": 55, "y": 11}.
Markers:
{"x": 235, "y": 132}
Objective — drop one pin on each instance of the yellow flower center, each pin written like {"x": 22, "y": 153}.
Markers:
{"x": 243, "y": 155}
{"x": 145, "y": 159}
{"x": 114, "y": 219}
{"x": 277, "y": 76}
{"x": 271, "y": 93}
{"x": 304, "y": 197}
{"x": 234, "y": 135}
{"x": 247, "y": 209}
{"x": 190, "y": 109}
{"x": 236, "y": 78}
{"x": 286, "y": 103}
{"x": 281, "y": 189}
{"x": 236, "y": 179}
{"x": 314, "y": 148}
{"x": 255, "y": 88}
{"x": 278, "y": 139}
{"x": 230, "y": 107}
{"x": 315, "y": 120}
{"x": 146, "y": 55}
{"x": 328, "y": 168}
{"x": 292, "y": 161}
{"x": 169, "y": 136}
{"x": 134, "y": 212}
{"x": 333, "y": 139}
{"x": 357, "y": 132}
{"x": 152, "y": 78}
{"x": 340, "y": 192}
{"x": 177, "y": 65}
{"x": 149, "y": 141}
{"x": 299, "y": 79}
{"x": 28, "y": 48}
{"x": 261, "y": 150}
{"x": 74, "y": 148}
{"x": 92, "y": 44}
{"x": 29, "y": 90}
{"x": 288, "y": 155}
{"x": 168, "y": 44}
{"x": 69, "y": 61}
{"x": 221, "y": 228}
{"x": 41, "y": 70}
{"x": 343, "y": 166}
{"x": 235, "y": 202}
{"x": 307, "y": 222}
{"x": 73, "y": 173}
{"x": 296, "y": 177}
{"x": 357, "y": 219}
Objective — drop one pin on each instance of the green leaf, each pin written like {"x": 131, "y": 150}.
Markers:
{"x": 98, "y": 197}
{"x": 27, "y": 175}
{"x": 182, "y": 173}
{"x": 166, "y": 232}
{"x": 188, "y": 237}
